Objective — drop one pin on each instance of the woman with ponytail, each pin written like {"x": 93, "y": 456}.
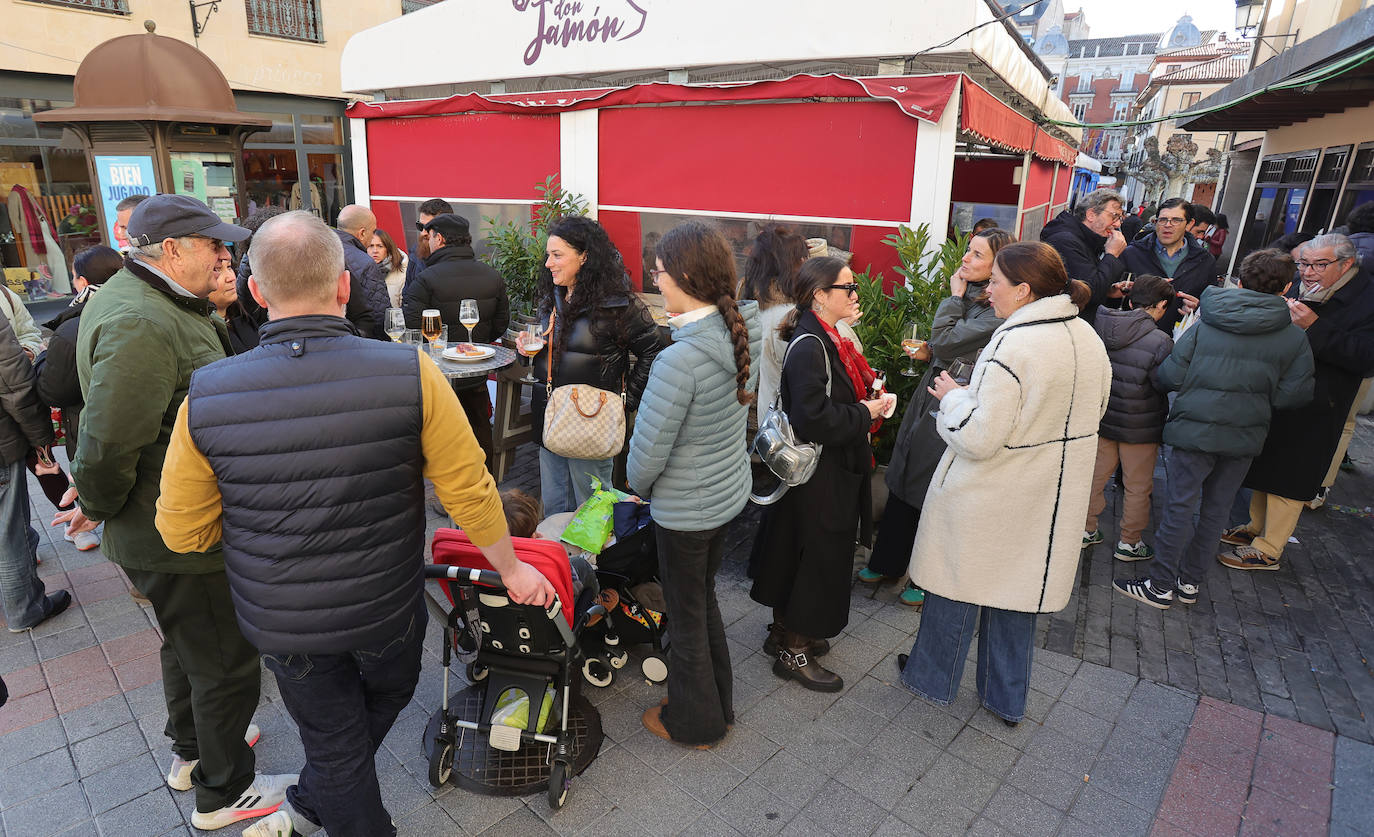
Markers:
{"x": 1002, "y": 522}
{"x": 804, "y": 550}
{"x": 687, "y": 456}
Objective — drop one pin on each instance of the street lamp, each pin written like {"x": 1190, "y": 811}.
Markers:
{"x": 1249, "y": 14}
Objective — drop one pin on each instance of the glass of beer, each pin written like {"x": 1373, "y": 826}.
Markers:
{"x": 530, "y": 343}
{"x": 431, "y": 325}
{"x": 468, "y": 316}
{"x": 911, "y": 344}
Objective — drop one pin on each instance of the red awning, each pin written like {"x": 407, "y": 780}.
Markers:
{"x": 923, "y": 97}
{"x": 987, "y": 118}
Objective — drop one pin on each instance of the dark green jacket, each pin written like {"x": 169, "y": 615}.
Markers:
{"x": 1241, "y": 360}
{"x": 138, "y": 344}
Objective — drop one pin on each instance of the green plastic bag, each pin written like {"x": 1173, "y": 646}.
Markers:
{"x": 593, "y": 522}
{"x": 513, "y": 710}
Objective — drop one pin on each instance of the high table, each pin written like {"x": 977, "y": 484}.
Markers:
{"x": 509, "y": 428}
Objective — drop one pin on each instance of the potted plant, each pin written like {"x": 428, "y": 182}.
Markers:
{"x": 518, "y": 249}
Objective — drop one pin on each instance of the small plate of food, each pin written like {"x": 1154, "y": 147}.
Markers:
{"x": 468, "y": 352}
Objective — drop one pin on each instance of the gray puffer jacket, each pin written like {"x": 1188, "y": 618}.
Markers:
{"x": 687, "y": 455}
{"x": 1138, "y": 406}
{"x": 24, "y": 423}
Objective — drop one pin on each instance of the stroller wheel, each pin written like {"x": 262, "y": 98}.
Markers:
{"x": 619, "y": 660}
{"x": 597, "y": 672}
{"x": 476, "y": 672}
{"x": 559, "y": 783}
{"x": 655, "y": 668}
{"x": 441, "y": 763}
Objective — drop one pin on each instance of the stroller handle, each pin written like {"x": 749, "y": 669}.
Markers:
{"x": 454, "y": 572}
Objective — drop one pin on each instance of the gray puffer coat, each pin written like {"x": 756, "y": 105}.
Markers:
{"x": 1138, "y": 406}
{"x": 687, "y": 454}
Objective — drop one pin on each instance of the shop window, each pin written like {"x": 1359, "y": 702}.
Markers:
{"x": 1359, "y": 188}
{"x": 294, "y": 19}
{"x": 321, "y": 130}
{"x": 271, "y": 178}
{"x": 282, "y": 130}
{"x": 273, "y": 163}
{"x": 116, "y": 7}
{"x": 209, "y": 177}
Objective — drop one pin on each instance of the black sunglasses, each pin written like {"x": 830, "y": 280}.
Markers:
{"x": 848, "y": 287}
{"x": 420, "y": 225}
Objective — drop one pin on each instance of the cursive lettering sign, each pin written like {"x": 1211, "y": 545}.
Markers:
{"x": 564, "y": 22}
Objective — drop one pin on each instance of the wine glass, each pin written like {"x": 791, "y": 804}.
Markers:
{"x": 961, "y": 371}
{"x": 530, "y": 343}
{"x": 467, "y": 315}
{"x": 395, "y": 324}
{"x": 911, "y": 344}
{"x": 431, "y": 325}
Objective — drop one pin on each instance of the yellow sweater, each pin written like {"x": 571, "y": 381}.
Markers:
{"x": 189, "y": 511}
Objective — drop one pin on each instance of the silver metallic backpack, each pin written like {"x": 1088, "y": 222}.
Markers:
{"x": 790, "y": 459}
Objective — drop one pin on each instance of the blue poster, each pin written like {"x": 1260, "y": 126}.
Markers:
{"x": 120, "y": 177}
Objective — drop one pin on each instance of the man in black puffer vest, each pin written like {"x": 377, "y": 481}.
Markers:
{"x": 307, "y": 457}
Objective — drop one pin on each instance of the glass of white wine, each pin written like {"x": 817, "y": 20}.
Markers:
{"x": 395, "y": 324}
{"x": 911, "y": 344}
{"x": 468, "y": 316}
{"x": 530, "y": 343}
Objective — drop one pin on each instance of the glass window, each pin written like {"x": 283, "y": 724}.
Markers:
{"x": 270, "y": 176}
{"x": 52, "y": 218}
{"x": 321, "y": 130}
{"x": 326, "y": 185}
{"x": 476, "y": 214}
{"x": 281, "y": 131}
{"x": 208, "y": 176}
{"x": 295, "y": 19}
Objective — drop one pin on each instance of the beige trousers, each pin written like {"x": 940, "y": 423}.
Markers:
{"x": 1273, "y": 519}
{"x": 1137, "y": 478}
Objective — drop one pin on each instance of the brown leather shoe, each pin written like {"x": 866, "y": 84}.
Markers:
{"x": 653, "y": 722}
{"x": 773, "y": 644}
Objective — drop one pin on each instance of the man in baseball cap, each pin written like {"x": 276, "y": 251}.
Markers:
{"x": 150, "y": 327}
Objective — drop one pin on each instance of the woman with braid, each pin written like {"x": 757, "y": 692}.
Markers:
{"x": 687, "y": 456}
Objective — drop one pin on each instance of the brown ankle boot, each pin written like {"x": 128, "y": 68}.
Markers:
{"x": 774, "y": 643}
{"x": 793, "y": 663}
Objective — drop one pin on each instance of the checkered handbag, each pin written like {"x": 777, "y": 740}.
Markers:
{"x": 582, "y": 421}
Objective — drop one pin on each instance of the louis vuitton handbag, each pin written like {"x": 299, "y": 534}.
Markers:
{"x": 582, "y": 421}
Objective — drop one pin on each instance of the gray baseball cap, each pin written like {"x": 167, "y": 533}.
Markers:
{"x": 174, "y": 216}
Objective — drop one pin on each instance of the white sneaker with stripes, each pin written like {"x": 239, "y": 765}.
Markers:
{"x": 179, "y": 774}
{"x": 263, "y": 797}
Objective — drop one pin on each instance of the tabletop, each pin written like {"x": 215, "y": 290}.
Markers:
{"x": 453, "y": 369}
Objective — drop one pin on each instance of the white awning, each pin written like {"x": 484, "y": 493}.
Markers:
{"x": 1086, "y": 162}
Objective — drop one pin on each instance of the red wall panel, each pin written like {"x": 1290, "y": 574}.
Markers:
{"x": 871, "y": 254}
{"x": 1061, "y": 190}
{"x": 389, "y": 218}
{"x": 623, "y": 229}
{"x": 985, "y": 181}
{"x": 829, "y": 159}
{"x": 493, "y": 155}
{"x": 1039, "y": 182}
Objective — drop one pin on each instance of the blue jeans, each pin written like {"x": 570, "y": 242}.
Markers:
{"x": 565, "y": 484}
{"x": 344, "y": 705}
{"x": 26, "y": 601}
{"x": 1202, "y": 484}
{"x": 1006, "y": 641}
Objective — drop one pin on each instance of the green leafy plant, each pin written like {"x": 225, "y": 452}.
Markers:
{"x": 886, "y": 316}
{"x": 518, "y": 249}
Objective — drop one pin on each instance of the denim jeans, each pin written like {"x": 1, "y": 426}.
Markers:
{"x": 1006, "y": 641}
{"x": 1202, "y": 484}
{"x": 344, "y": 705}
{"x": 700, "y": 679}
{"x": 565, "y": 484}
{"x": 26, "y": 602}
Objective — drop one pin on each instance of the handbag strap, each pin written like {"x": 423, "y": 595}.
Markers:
{"x": 777, "y": 398}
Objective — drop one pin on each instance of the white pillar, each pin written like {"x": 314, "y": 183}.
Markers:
{"x": 362, "y": 183}
{"x": 579, "y": 153}
{"x": 933, "y": 176}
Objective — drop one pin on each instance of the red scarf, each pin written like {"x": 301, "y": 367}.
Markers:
{"x": 861, "y": 375}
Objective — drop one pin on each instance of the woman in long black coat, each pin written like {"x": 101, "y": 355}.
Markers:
{"x": 804, "y": 550}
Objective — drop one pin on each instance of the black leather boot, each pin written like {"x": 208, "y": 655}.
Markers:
{"x": 794, "y": 663}
{"x": 773, "y": 644}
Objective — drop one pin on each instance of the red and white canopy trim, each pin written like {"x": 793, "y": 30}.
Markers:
{"x": 990, "y": 120}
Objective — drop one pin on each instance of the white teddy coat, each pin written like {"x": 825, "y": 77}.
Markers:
{"x": 1002, "y": 523}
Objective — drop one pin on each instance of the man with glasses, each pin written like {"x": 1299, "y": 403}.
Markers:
{"x": 140, "y": 340}
{"x": 427, "y": 211}
{"x": 1088, "y": 238}
{"x": 1335, "y": 306}
{"x": 1170, "y": 252}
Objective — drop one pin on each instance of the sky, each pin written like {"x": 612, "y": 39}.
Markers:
{"x": 1107, "y": 18}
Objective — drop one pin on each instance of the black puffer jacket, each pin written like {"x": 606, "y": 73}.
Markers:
{"x": 605, "y": 364}
{"x": 23, "y": 421}
{"x": 451, "y": 275}
{"x": 1197, "y": 272}
{"x": 56, "y": 370}
{"x": 1137, "y": 407}
{"x": 1084, "y": 258}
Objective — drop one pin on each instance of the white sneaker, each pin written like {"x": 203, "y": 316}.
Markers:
{"x": 179, "y": 776}
{"x": 275, "y": 824}
{"x": 85, "y": 541}
{"x": 261, "y": 798}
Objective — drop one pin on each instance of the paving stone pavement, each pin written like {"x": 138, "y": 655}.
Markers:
{"x": 1103, "y": 751}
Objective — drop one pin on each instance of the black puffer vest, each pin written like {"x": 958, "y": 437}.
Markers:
{"x": 314, "y": 437}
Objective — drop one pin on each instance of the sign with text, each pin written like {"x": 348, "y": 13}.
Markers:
{"x": 120, "y": 177}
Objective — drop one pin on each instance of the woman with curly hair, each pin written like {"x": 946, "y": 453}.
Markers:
{"x": 687, "y": 456}
{"x": 602, "y": 335}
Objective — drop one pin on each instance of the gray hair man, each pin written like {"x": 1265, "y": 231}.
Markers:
{"x": 1335, "y": 306}
{"x": 322, "y": 518}
{"x": 1088, "y": 238}
{"x": 141, "y": 337}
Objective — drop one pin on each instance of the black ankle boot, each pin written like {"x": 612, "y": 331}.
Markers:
{"x": 774, "y": 643}
{"x": 794, "y": 664}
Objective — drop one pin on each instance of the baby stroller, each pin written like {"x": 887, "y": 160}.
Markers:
{"x": 630, "y": 568}
{"x": 514, "y": 651}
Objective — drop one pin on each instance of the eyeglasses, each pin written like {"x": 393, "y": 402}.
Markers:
{"x": 1322, "y": 265}
{"x": 1170, "y": 222}
{"x": 420, "y": 226}
{"x": 654, "y": 273}
{"x": 848, "y": 287}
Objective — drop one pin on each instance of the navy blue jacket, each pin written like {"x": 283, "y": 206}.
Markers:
{"x": 370, "y": 278}
{"x": 314, "y": 437}
{"x": 1197, "y": 273}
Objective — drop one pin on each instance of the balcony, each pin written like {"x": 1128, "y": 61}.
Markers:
{"x": 297, "y": 20}
{"x": 114, "y": 7}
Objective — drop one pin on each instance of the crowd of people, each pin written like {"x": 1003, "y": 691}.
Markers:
{"x": 257, "y": 450}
